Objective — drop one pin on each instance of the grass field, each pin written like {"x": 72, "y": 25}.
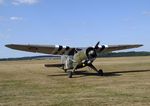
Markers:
{"x": 126, "y": 82}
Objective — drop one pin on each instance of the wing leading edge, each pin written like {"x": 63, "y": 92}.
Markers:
{"x": 47, "y": 49}
{"x": 66, "y": 50}
{"x": 110, "y": 48}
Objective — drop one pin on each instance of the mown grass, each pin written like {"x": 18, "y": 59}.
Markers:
{"x": 126, "y": 81}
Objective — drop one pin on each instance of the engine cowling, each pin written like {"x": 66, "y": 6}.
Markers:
{"x": 91, "y": 53}
{"x": 86, "y": 56}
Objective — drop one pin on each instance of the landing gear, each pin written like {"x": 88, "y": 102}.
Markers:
{"x": 69, "y": 74}
{"x": 65, "y": 70}
{"x": 100, "y": 72}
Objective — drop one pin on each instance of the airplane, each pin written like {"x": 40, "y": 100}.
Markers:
{"x": 73, "y": 58}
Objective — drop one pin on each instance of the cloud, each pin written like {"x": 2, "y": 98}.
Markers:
{"x": 28, "y": 2}
{"x": 146, "y": 13}
{"x": 14, "y": 18}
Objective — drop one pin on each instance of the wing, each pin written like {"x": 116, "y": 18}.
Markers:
{"x": 66, "y": 50}
{"x": 110, "y": 48}
{"x": 47, "y": 49}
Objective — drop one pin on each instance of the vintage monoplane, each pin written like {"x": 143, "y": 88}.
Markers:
{"x": 73, "y": 58}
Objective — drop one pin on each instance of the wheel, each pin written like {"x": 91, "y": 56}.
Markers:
{"x": 69, "y": 74}
{"x": 100, "y": 72}
{"x": 65, "y": 70}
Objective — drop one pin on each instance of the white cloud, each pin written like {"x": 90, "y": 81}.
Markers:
{"x": 14, "y": 18}
{"x": 147, "y": 13}
{"x": 29, "y": 2}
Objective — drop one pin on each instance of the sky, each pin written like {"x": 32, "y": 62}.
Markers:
{"x": 73, "y": 23}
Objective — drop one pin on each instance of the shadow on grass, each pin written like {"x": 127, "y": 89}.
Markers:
{"x": 83, "y": 73}
{"x": 128, "y": 71}
{"x": 118, "y": 73}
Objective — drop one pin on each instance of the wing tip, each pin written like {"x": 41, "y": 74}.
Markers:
{"x": 139, "y": 45}
{"x": 12, "y": 46}
{"x": 8, "y": 45}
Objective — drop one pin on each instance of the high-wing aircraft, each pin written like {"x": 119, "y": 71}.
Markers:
{"x": 72, "y": 58}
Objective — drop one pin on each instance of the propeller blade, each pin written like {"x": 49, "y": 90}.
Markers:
{"x": 96, "y": 46}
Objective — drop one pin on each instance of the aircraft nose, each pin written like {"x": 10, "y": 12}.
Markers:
{"x": 91, "y": 52}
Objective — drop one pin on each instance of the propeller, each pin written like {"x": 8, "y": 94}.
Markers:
{"x": 93, "y": 53}
{"x": 96, "y": 46}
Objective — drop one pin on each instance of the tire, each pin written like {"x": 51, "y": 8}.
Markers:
{"x": 65, "y": 70}
{"x": 69, "y": 74}
{"x": 100, "y": 72}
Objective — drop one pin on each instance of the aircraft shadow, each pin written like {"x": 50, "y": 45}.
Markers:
{"x": 128, "y": 71}
{"x": 86, "y": 73}
{"x": 83, "y": 73}
{"x": 118, "y": 73}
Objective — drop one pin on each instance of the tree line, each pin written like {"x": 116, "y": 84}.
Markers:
{"x": 124, "y": 54}
{"x": 113, "y": 54}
